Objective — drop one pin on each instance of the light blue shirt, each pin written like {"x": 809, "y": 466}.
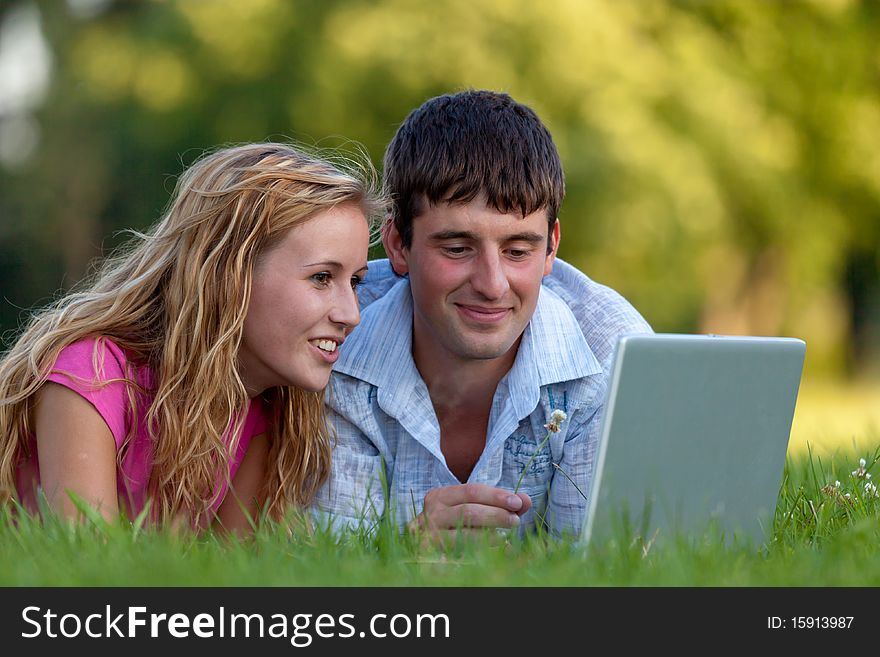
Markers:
{"x": 388, "y": 436}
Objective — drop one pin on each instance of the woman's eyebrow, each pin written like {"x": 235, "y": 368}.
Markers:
{"x": 325, "y": 263}
{"x": 333, "y": 265}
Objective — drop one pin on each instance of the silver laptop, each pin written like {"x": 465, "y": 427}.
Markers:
{"x": 694, "y": 438}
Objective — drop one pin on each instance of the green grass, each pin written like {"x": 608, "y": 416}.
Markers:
{"x": 820, "y": 538}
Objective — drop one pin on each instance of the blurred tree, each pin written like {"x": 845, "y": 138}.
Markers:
{"x": 720, "y": 157}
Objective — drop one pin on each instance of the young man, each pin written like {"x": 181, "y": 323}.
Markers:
{"x": 472, "y": 334}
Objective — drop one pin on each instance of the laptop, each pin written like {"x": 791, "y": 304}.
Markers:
{"x": 694, "y": 438}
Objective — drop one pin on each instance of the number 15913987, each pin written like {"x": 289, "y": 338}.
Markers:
{"x": 810, "y": 622}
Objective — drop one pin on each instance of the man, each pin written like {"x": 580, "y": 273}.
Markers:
{"x": 472, "y": 334}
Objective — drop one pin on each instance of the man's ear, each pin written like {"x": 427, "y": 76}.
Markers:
{"x": 394, "y": 249}
{"x": 554, "y": 247}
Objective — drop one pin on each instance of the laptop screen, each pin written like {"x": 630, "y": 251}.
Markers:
{"x": 694, "y": 437}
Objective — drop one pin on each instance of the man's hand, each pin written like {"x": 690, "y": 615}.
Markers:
{"x": 450, "y": 510}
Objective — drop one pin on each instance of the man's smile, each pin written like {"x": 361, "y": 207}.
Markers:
{"x": 483, "y": 314}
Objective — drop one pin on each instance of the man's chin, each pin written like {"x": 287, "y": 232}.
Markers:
{"x": 484, "y": 351}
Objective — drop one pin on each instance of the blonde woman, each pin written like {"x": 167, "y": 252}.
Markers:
{"x": 190, "y": 371}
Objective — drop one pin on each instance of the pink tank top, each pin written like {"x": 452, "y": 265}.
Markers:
{"x": 75, "y": 369}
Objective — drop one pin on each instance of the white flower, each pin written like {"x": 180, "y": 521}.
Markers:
{"x": 871, "y": 489}
{"x": 557, "y": 417}
{"x": 860, "y": 471}
{"x": 837, "y": 484}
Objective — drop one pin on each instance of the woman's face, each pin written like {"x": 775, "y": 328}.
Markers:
{"x": 303, "y": 302}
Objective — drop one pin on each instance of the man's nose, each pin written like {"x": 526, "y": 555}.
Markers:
{"x": 489, "y": 277}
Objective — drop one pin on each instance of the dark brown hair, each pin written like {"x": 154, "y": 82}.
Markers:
{"x": 457, "y": 146}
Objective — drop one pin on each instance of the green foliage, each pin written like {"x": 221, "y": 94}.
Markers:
{"x": 720, "y": 156}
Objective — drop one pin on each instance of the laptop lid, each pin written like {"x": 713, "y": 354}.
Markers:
{"x": 694, "y": 436}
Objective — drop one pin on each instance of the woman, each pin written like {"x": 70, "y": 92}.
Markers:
{"x": 189, "y": 373}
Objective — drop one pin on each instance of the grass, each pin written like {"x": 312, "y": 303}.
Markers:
{"x": 820, "y": 538}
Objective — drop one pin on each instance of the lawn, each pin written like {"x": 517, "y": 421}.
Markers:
{"x": 826, "y": 533}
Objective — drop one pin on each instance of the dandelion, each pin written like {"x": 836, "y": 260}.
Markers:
{"x": 860, "y": 472}
{"x": 557, "y": 417}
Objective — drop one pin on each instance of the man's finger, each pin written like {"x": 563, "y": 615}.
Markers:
{"x": 477, "y": 515}
{"x": 464, "y": 516}
{"x": 526, "y": 504}
{"x": 477, "y": 494}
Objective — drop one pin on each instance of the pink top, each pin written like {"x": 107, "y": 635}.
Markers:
{"x": 75, "y": 369}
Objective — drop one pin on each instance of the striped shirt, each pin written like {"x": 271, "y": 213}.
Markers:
{"x": 388, "y": 436}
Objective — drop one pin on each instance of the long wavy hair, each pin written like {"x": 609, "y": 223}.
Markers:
{"x": 175, "y": 299}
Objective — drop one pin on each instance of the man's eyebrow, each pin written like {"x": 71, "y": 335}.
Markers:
{"x": 525, "y": 237}
{"x": 467, "y": 235}
{"x": 452, "y": 235}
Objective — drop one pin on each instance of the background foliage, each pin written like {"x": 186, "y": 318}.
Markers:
{"x": 722, "y": 157}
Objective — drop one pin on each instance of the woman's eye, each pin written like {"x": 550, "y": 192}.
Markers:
{"x": 355, "y": 281}
{"x": 322, "y": 278}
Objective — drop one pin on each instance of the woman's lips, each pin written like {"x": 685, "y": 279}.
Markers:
{"x": 326, "y": 356}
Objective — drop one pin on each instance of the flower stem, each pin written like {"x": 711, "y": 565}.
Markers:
{"x": 529, "y": 462}
{"x": 565, "y": 474}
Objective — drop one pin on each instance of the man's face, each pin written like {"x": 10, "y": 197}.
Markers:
{"x": 475, "y": 275}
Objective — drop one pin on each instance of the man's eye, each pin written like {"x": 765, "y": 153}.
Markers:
{"x": 355, "y": 281}
{"x": 518, "y": 253}
{"x": 322, "y": 278}
{"x": 455, "y": 250}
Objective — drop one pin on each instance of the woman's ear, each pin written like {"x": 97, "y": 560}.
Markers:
{"x": 394, "y": 248}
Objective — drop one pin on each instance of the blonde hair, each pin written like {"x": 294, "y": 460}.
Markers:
{"x": 175, "y": 298}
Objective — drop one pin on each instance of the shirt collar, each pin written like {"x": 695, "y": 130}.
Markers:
{"x": 379, "y": 351}
{"x": 553, "y": 349}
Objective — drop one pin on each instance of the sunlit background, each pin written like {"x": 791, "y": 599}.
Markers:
{"x": 722, "y": 157}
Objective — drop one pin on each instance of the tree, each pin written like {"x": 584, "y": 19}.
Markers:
{"x": 720, "y": 158}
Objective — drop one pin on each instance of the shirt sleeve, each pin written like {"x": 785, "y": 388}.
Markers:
{"x": 570, "y": 486}
{"x": 96, "y": 370}
{"x": 353, "y": 496}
